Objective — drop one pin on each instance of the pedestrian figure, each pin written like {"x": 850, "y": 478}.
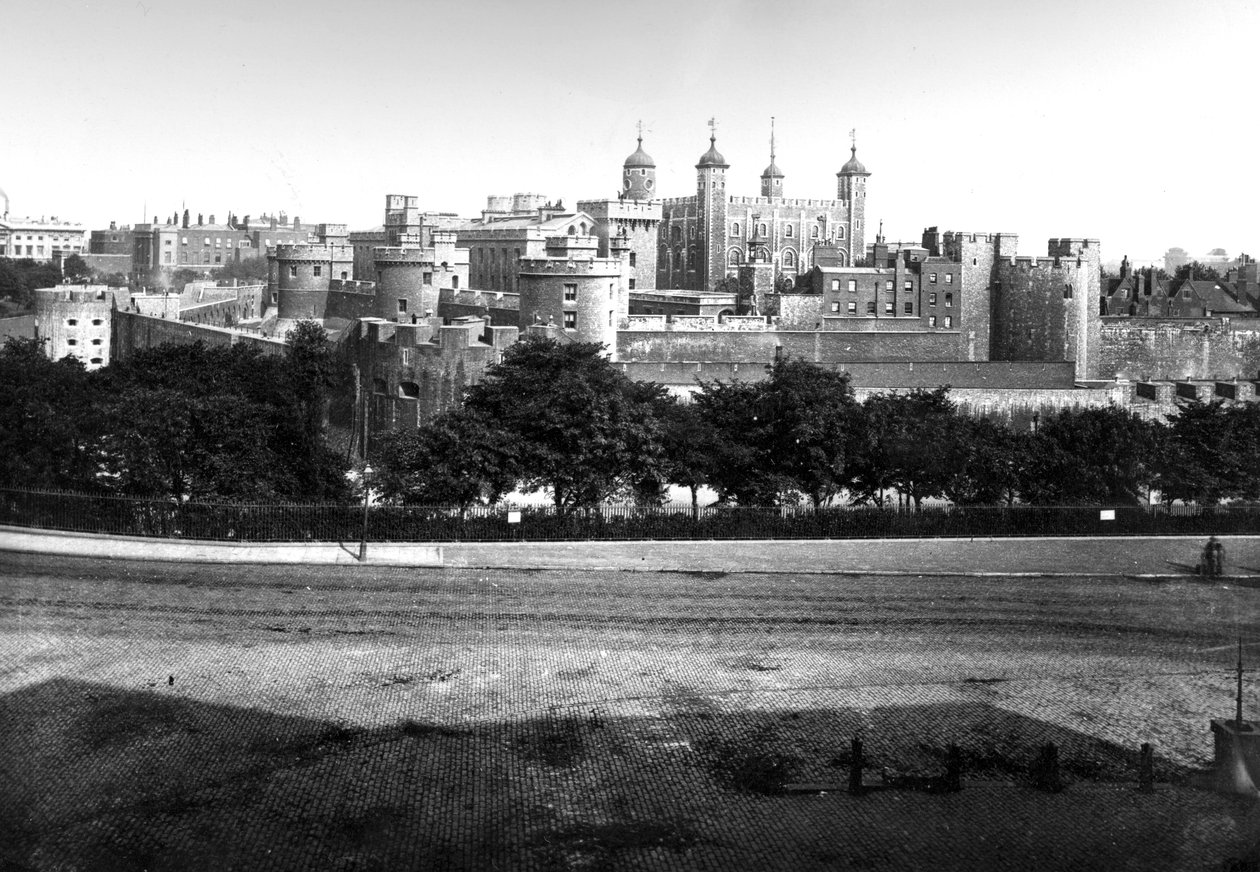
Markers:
{"x": 1210, "y": 567}
{"x": 1218, "y": 557}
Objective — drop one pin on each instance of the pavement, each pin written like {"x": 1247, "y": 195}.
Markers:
{"x": 185, "y": 715}
{"x": 1142, "y": 557}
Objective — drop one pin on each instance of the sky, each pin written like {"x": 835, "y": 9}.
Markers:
{"x": 1131, "y": 122}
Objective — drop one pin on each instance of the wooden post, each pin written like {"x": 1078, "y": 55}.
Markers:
{"x": 953, "y": 769}
{"x": 1146, "y": 769}
{"x": 855, "y": 768}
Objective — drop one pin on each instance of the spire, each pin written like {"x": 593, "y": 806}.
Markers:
{"x": 772, "y": 171}
{"x": 772, "y": 139}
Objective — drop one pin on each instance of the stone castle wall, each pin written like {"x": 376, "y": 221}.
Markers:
{"x": 1178, "y": 348}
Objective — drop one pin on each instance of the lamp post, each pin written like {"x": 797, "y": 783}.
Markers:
{"x": 367, "y": 470}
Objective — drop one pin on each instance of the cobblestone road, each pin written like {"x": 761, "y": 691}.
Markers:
{"x": 166, "y": 716}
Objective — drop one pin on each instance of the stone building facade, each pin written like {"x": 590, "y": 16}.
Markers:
{"x": 705, "y": 238}
{"x": 74, "y": 321}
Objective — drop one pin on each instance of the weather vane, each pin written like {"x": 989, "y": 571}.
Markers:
{"x": 713, "y": 127}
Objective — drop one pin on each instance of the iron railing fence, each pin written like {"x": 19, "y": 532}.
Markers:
{"x": 341, "y": 522}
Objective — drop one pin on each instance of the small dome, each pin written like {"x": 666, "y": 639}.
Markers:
{"x": 712, "y": 157}
{"x": 853, "y": 165}
{"x": 772, "y": 171}
{"x": 640, "y": 158}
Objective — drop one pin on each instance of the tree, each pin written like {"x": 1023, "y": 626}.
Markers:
{"x": 455, "y": 460}
{"x": 1195, "y": 271}
{"x": 781, "y": 438}
{"x": 19, "y": 278}
{"x": 576, "y": 425}
{"x": 1213, "y": 454}
{"x": 194, "y": 422}
{"x": 687, "y": 440}
{"x": 900, "y": 446}
{"x": 988, "y": 461}
{"x": 783, "y": 284}
{"x": 247, "y": 270}
{"x": 75, "y": 268}
{"x": 46, "y": 422}
{"x": 1105, "y": 456}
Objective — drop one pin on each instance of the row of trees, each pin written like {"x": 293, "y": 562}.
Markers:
{"x": 560, "y": 418}
{"x": 178, "y": 421}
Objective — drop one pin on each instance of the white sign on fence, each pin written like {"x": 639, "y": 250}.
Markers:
{"x": 514, "y": 517}
{"x": 1106, "y": 514}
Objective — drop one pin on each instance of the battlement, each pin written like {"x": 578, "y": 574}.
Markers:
{"x": 640, "y": 210}
{"x": 78, "y": 294}
{"x": 316, "y": 253}
{"x": 610, "y": 266}
{"x": 397, "y": 255}
{"x": 782, "y": 201}
{"x": 1071, "y": 246}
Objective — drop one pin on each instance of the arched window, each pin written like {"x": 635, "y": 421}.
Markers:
{"x": 761, "y": 230}
{"x": 675, "y": 233}
{"x": 678, "y": 258}
{"x": 787, "y": 231}
{"x": 789, "y": 258}
{"x": 733, "y": 257}
{"x": 735, "y": 229}
{"x": 583, "y": 226}
{"x": 572, "y": 230}
{"x": 813, "y": 232}
{"x": 691, "y": 257}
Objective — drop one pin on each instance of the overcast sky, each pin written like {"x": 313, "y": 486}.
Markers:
{"x": 1132, "y": 122}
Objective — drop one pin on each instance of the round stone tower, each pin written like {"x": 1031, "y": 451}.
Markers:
{"x": 576, "y": 291}
{"x": 852, "y": 192}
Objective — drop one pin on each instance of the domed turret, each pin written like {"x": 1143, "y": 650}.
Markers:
{"x": 638, "y": 174}
{"x": 853, "y": 166}
{"x": 712, "y": 157}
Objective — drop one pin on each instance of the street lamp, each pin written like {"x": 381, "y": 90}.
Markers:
{"x": 367, "y": 470}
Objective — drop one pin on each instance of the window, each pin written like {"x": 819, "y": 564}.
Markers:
{"x": 455, "y": 283}
{"x": 72, "y": 342}
{"x": 870, "y": 307}
{"x": 889, "y": 308}
{"x": 909, "y": 308}
{"x": 813, "y": 232}
{"x": 909, "y": 284}
{"x": 761, "y": 230}
{"x": 206, "y": 241}
{"x": 218, "y": 258}
{"x": 96, "y": 360}
{"x": 835, "y": 305}
{"x": 787, "y": 231}
{"x": 408, "y": 390}
{"x": 344, "y": 275}
{"x": 73, "y": 322}
{"x": 1067, "y": 292}
{"x": 570, "y": 292}
{"x": 949, "y": 321}
{"x": 852, "y": 307}
{"x": 835, "y": 284}
{"x": 949, "y": 301}
{"x": 275, "y": 297}
{"x": 319, "y": 269}
{"x": 402, "y": 304}
{"x": 97, "y": 322}
{"x": 632, "y": 258}
{"x": 931, "y": 320}
{"x": 888, "y": 285}
{"x": 166, "y": 242}
{"x": 293, "y": 271}
{"x": 632, "y": 284}
{"x": 949, "y": 278}
{"x": 96, "y": 342}
{"x": 840, "y": 232}
{"x": 570, "y": 320}
{"x": 852, "y": 286}
{"x": 933, "y": 278}
{"x": 205, "y": 257}
{"x": 932, "y": 298}
{"x": 735, "y": 229}
{"x": 426, "y": 278}
{"x": 166, "y": 257}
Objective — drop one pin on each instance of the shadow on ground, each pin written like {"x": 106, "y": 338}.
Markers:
{"x": 96, "y": 777}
